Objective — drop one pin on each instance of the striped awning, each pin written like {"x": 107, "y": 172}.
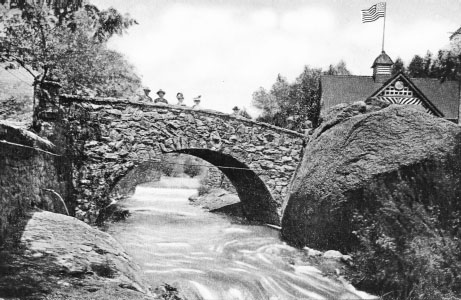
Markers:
{"x": 406, "y": 101}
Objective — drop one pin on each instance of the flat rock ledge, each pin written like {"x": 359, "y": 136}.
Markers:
{"x": 220, "y": 201}
{"x": 52, "y": 256}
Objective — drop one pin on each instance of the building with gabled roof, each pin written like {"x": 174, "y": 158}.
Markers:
{"x": 440, "y": 98}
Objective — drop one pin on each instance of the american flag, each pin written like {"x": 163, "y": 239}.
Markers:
{"x": 374, "y": 13}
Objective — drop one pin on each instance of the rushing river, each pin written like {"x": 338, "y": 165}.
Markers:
{"x": 211, "y": 256}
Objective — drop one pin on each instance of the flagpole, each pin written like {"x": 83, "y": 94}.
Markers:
{"x": 384, "y": 23}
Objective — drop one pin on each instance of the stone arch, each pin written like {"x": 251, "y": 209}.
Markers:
{"x": 258, "y": 202}
{"x": 108, "y": 137}
{"x": 125, "y": 184}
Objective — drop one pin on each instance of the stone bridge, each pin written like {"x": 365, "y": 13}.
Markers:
{"x": 110, "y": 137}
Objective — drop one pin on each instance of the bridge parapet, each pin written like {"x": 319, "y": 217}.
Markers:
{"x": 120, "y": 103}
{"x": 112, "y": 136}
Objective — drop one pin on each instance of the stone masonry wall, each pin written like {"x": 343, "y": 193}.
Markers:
{"x": 25, "y": 176}
{"x": 216, "y": 179}
{"x": 110, "y": 137}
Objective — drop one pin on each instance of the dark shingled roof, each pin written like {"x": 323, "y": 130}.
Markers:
{"x": 383, "y": 59}
{"x": 338, "y": 89}
{"x": 444, "y": 96}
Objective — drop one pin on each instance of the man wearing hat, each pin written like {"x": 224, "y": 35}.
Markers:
{"x": 145, "y": 97}
{"x": 160, "y": 98}
{"x": 236, "y": 111}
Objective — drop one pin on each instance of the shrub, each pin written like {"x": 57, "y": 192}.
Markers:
{"x": 167, "y": 168}
{"x": 191, "y": 167}
{"x": 405, "y": 254}
{"x": 204, "y": 187}
{"x": 172, "y": 165}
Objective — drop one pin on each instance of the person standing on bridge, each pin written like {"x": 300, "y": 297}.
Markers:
{"x": 160, "y": 98}
{"x": 146, "y": 97}
{"x": 197, "y": 102}
{"x": 235, "y": 111}
{"x": 180, "y": 98}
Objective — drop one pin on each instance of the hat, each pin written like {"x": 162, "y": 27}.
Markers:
{"x": 197, "y": 98}
{"x": 161, "y": 92}
{"x": 146, "y": 89}
{"x": 235, "y": 108}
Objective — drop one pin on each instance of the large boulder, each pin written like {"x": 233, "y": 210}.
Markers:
{"x": 52, "y": 256}
{"x": 365, "y": 160}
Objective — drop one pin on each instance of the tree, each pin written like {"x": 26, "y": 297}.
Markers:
{"x": 450, "y": 61}
{"x": 339, "y": 69}
{"x": 71, "y": 48}
{"x": 267, "y": 103}
{"x": 281, "y": 88}
{"x": 427, "y": 64}
{"x": 306, "y": 90}
{"x": 398, "y": 66}
{"x": 416, "y": 67}
{"x": 244, "y": 113}
{"x": 436, "y": 67}
{"x": 59, "y": 7}
{"x": 292, "y": 105}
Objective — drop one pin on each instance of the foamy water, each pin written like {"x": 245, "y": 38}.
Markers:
{"x": 210, "y": 256}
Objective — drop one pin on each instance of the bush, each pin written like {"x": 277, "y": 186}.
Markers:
{"x": 405, "y": 254}
{"x": 167, "y": 168}
{"x": 16, "y": 109}
{"x": 204, "y": 187}
{"x": 191, "y": 167}
{"x": 172, "y": 165}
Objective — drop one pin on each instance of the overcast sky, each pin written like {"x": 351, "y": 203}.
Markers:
{"x": 226, "y": 49}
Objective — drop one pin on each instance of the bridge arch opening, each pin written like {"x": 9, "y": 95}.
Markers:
{"x": 257, "y": 201}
